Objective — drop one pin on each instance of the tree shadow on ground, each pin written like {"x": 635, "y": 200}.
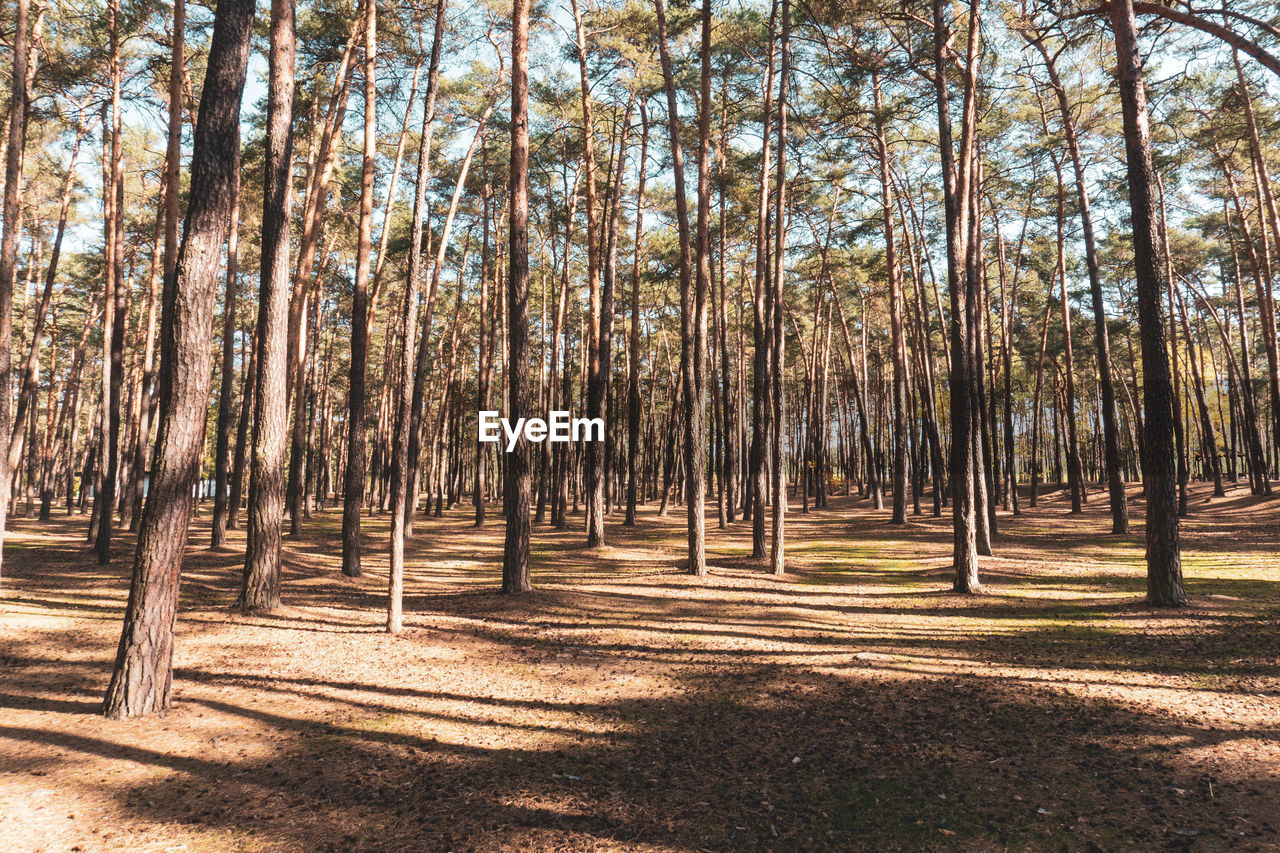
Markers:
{"x": 759, "y": 758}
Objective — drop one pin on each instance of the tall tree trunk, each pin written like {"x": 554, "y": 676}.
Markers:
{"x": 761, "y": 413}
{"x": 260, "y": 587}
{"x": 516, "y": 484}
{"x": 17, "y": 143}
{"x": 227, "y": 392}
{"x": 633, "y": 339}
{"x": 142, "y": 679}
{"x": 694, "y": 441}
{"x": 607, "y": 290}
{"x": 1075, "y": 474}
{"x": 596, "y": 382}
{"x": 1179, "y": 425}
{"x": 484, "y": 368}
{"x": 956, "y": 202}
{"x": 400, "y": 477}
{"x": 240, "y": 456}
{"x": 118, "y": 307}
{"x": 899, "y": 345}
{"x": 729, "y": 414}
{"x": 1164, "y": 563}
{"x": 1208, "y": 443}
{"x": 696, "y": 415}
{"x": 777, "y": 531}
{"x": 1106, "y": 387}
{"x": 354, "y": 480}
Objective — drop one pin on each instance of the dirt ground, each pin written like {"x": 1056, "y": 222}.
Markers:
{"x": 854, "y": 705}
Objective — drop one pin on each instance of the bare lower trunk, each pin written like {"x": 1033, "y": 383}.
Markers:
{"x": 1164, "y": 563}
{"x": 141, "y": 682}
{"x": 515, "y": 554}
{"x": 354, "y": 480}
{"x": 260, "y": 587}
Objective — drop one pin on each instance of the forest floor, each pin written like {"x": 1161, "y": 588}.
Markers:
{"x": 855, "y": 704}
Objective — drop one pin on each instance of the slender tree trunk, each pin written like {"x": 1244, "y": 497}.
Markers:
{"x": 1106, "y": 387}
{"x": 895, "y": 316}
{"x": 226, "y": 393}
{"x": 691, "y": 340}
{"x": 1208, "y": 443}
{"x": 16, "y": 141}
{"x": 484, "y": 368}
{"x": 1179, "y": 425}
{"x": 1075, "y": 475}
{"x": 354, "y": 480}
{"x": 777, "y": 540}
{"x": 596, "y": 383}
{"x": 114, "y": 329}
{"x": 240, "y": 456}
{"x": 400, "y": 476}
{"x": 728, "y": 381}
{"x": 633, "y": 348}
{"x": 757, "y": 479}
{"x": 516, "y": 484}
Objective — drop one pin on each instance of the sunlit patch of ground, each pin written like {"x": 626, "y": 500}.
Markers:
{"x": 854, "y": 704}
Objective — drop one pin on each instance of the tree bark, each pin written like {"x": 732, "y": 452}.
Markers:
{"x": 777, "y": 528}
{"x": 227, "y": 391}
{"x": 955, "y": 192}
{"x": 260, "y": 586}
{"x": 633, "y": 339}
{"x": 1106, "y": 387}
{"x": 1164, "y": 563}
{"x": 898, "y": 344}
{"x": 761, "y": 413}
{"x": 141, "y": 682}
{"x": 16, "y": 140}
{"x": 118, "y": 308}
{"x": 516, "y": 484}
{"x": 400, "y": 452}
{"x": 694, "y": 442}
{"x": 354, "y": 479}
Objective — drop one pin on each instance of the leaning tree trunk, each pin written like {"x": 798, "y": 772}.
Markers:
{"x": 400, "y": 450}
{"x": 1106, "y": 387}
{"x": 141, "y": 682}
{"x": 1164, "y": 562}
